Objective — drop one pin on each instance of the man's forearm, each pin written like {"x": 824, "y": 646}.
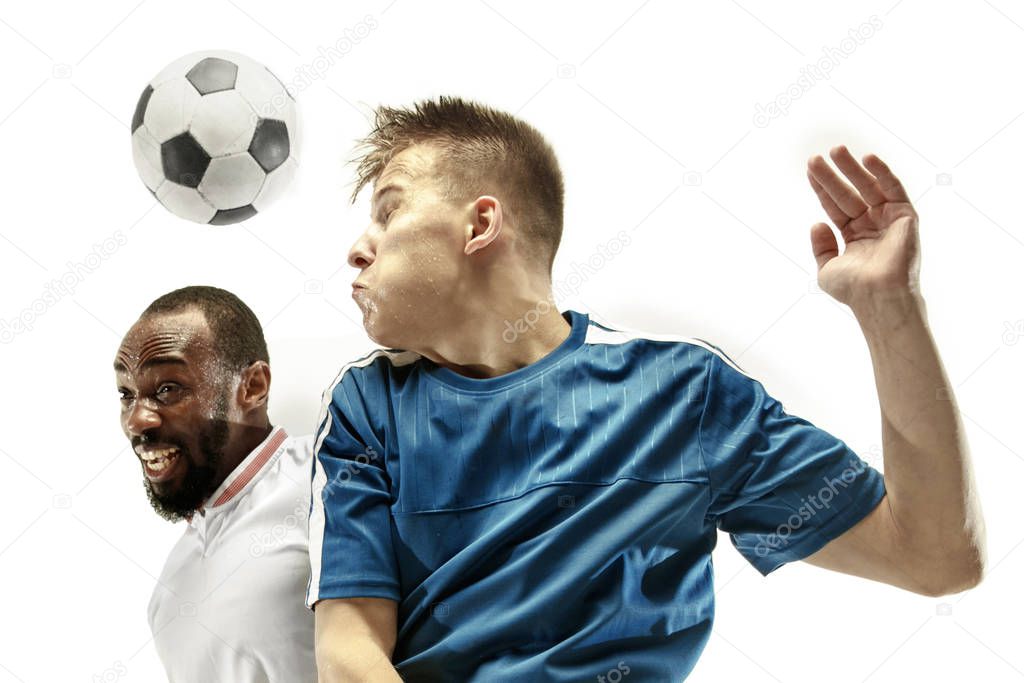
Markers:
{"x": 928, "y": 475}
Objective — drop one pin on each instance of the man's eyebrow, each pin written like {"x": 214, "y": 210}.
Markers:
{"x": 390, "y": 187}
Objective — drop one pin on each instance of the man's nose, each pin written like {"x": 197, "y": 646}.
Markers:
{"x": 140, "y": 419}
{"x": 361, "y": 254}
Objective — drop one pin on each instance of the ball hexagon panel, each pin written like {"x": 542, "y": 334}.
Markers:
{"x": 270, "y": 146}
{"x": 185, "y": 202}
{"x": 286, "y": 90}
{"x": 184, "y": 161}
{"x": 212, "y": 74}
{"x": 263, "y": 91}
{"x": 232, "y": 181}
{"x": 146, "y": 154}
{"x": 275, "y": 184}
{"x": 223, "y": 123}
{"x": 170, "y": 108}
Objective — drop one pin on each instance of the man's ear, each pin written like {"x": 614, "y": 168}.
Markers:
{"x": 254, "y": 388}
{"x": 484, "y": 224}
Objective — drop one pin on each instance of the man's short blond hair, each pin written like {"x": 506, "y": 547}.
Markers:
{"x": 482, "y": 151}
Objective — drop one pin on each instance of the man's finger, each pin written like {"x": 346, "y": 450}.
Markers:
{"x": 865, "y": 183}
{"x": 891, "y": 186}
{"x": 845, "y": 197}
{"x": 833, "y": 211}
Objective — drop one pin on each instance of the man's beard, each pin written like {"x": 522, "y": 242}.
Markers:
{"x": 200, "y": 480}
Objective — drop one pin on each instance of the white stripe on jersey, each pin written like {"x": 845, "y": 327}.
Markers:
{"x": 621, "y": 335}
{"x": 316, "y": 529}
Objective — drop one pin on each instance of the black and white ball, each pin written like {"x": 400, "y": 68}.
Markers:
{"x": 215, "y": 137}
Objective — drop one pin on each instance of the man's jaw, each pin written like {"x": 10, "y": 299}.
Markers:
{"x": 179, "y": 490}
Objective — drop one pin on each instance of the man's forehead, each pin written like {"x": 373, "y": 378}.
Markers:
{"x": 165, "y": 334}
{"x": 409, "y": 165}
{"x": 394, "y": 174}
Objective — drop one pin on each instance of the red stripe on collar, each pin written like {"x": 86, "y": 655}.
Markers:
{"x": 254, "y": 466}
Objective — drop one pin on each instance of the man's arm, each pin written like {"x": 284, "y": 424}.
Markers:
{"x": 927, "y": 534}
{"x": 350, "y": 538}
{"x": 355, "y": 638}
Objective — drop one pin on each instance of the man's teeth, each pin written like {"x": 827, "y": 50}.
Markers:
{"x": 158, "y": 460}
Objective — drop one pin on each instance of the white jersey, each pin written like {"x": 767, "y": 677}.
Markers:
{"x": 230, "y": 603}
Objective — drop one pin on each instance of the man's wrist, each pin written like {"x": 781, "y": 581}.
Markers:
{"x": 885, "y": 312}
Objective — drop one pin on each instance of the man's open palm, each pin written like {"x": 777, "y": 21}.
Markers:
{"x": 878, "y": 225}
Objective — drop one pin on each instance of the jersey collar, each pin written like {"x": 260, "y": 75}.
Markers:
{"x": 246, "y": 471}
{"x": 578, "y": 324}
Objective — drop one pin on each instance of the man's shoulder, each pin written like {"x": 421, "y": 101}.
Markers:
{"x": 376, "y": 364}
{"x": 299, "y": 448}
{"x": 602, "y": 333}
{"x": 373, "y": 373}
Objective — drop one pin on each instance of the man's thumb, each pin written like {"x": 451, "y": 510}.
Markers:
{"x": 823, "y": 244}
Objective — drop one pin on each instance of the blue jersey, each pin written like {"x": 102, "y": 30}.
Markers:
{"x": 556, "y": 523}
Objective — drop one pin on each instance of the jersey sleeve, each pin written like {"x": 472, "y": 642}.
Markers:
{"x": 350, "y": 526}
{"x": 779, "y": 485}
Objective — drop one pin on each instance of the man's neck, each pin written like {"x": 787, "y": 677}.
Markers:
{"x": 500, "y": 337}
{"x": 247, "y": 439}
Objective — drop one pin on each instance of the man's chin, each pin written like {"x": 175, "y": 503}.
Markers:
{"x": 374, "y": 334}
{"x": 172, "y": 504}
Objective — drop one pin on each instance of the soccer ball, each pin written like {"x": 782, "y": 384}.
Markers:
{"x": 215, "y": 136}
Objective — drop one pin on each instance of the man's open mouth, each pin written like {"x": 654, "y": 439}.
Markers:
{"x": 159, "y": 462}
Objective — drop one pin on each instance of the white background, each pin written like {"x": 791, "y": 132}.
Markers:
{"x": 650, "y": 106}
